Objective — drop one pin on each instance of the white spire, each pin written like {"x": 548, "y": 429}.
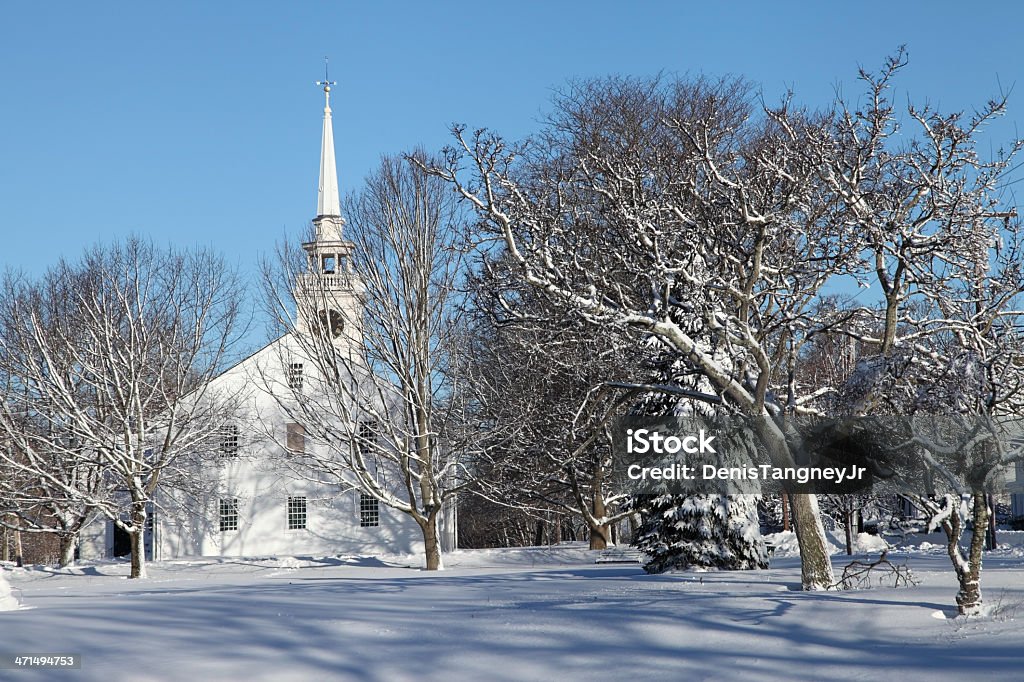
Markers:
{"x": 327, "y": 201}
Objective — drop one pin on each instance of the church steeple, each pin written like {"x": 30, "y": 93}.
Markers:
{"x": 328, "y": 221}
{"x": 327, "y": 202}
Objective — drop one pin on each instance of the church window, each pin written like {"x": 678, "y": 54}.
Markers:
{"x": 369, "y": 511}
{"x": 228, "y": 514}
{"x": 229, "y": 440}
{"x": 367, "y": 437}
{"x": 296, "y": 513}
{"x": 294, "y": 373}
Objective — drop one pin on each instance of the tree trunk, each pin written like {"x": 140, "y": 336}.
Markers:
{"x": 19, "y": 556}
{"x": 786, "y": 527}
{"x": 815, "y": 563}
{"x": 968, "y": 598}
{"x": 990, "y": 536}
{"x": 848, "y": 522}
{"x": 68, "y": 543}
{"x": 432, "y": 543}
{"x": 138, "y": 553}
{"x": 892, "y": 302}
{"x": 138, "y": 539}
{"x": 598, "y": 532}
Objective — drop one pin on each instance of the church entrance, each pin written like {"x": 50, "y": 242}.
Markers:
{"x": 122, "y": 542}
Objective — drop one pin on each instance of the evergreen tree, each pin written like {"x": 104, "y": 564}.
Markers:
{"x": 704, "y": 530}
{"x": 701, "y": 531}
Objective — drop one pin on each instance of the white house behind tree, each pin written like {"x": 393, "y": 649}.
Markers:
{"x": 255, "y": 501}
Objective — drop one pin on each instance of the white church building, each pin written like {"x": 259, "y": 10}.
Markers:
{"x": 254, "y": 505}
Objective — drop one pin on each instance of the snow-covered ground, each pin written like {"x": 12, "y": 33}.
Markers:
{"x": 530, "y": 614}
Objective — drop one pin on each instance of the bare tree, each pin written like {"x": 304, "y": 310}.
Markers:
{"x": 28, "y": 501}
{"x": 112, "y": 357}
{"x": 31, "y": 504}
{"x": 945, "y": 251}
{"x": 541, "y": 386}
{"x": 699, "y": 223}
{"x": 384, "y": 395}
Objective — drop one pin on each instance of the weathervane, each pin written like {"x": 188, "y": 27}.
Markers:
{"x": 326, "y": 82}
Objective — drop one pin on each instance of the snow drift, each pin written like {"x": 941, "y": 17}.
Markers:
{"x": 7, "y": 600}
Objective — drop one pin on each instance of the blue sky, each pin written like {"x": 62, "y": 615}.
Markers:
{"x": 198, "y": 122}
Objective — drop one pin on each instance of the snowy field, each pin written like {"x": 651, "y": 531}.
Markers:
{"x": 530, "y": 614}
